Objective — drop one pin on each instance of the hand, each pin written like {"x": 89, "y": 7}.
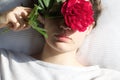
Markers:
{"x": 16, "y": 19}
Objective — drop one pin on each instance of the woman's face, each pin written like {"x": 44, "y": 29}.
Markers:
{"x": 61, "y": 38}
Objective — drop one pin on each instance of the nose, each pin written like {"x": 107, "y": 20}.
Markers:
{"x": 64, "y": 27}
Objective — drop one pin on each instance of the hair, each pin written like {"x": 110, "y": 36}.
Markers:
{"x": 97, "y": 9}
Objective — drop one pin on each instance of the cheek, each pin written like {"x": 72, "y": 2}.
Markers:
{"x": 78, "y": 38}
{"x": 51, "y": 27}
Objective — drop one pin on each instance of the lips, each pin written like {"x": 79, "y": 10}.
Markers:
{"x": 62, "y": 38}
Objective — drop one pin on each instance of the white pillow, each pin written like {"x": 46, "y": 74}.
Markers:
{"x": 102, "y": 46}
{"x": 9, "y": 4}
{"x": 28, "y": 41}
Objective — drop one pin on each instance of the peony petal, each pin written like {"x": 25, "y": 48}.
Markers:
{"x": 78, "y": 14}
{"x": 71, "y": 2}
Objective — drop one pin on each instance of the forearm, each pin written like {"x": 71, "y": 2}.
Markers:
{"x": 3, "y": 21}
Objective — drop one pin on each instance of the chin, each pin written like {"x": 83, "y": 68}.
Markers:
{"x": 63, "y": 47}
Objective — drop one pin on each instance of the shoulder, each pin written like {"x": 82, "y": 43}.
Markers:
{"x": 108, "y": 74}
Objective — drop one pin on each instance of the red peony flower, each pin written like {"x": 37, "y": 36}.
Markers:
{"x": 78, "y": 14}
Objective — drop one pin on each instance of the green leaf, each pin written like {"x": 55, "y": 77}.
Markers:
{"x": 34, "y": 13}
{"x": 51, "y": 3}
{"x": 42, "y": 31}
{"x": 34, "y": 23}
{"x": 46, "y": 2}
{"x": 49, "y": 8}
{"x": 40, "y": 4}
{"x": 59, "y": 1}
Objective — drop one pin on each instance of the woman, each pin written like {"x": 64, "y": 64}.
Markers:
{"x": 58, "y": 59}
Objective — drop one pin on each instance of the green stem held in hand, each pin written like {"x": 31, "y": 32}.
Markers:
{"x": 34, "y": 23}
{"x": 48, "y": 8}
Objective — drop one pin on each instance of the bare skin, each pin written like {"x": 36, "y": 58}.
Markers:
{"x": 61, "y": 50}
{"x": 15, "y": 19}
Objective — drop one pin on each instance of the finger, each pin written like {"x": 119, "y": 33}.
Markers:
{"x": 22, "y": 22}
{"x": 25, "y": 15}
{"x": 12, "y": 27}
{"x": 15, "y": 26}
{"x": 19, "y": 10}
{"x": 16, "y": 19}
{"x": 26, "y": 11}
{"x": 14, "y": 22}
{"x": 22, "y": 27}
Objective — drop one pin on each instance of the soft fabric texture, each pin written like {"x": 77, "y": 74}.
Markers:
{"x": 22, "y": 67}
{"x": 28, "y": 41}
{"x": 9, "y": 4}
{"x": 101, "y": 47}
{"x": 103, "y": 44}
